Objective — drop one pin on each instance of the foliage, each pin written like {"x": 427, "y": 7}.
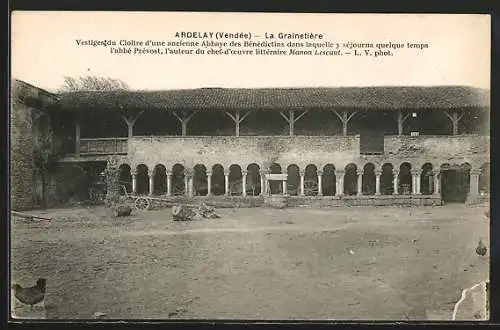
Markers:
{"x": 271, "y": 148}
{"x": 112, "y": 173}
{"x": 92, "y": 83}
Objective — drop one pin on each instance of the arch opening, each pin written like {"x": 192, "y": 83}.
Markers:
{"x": 235, "y": 183}
{"x": 328, "y": 180}
{"x": 368, "y": 180}
{"x": 253, "y": 180}
{"x": 387, "y": 179}
{"x": 351, "y": 180}
{"x": 160, "y": 180}
{"x": 426, "y": 180}
{"x": 200, "y": 181}
{"x": 142, "y": 180}
{"x": 178, "y": 180}
{"x": 405, "y": 185}
{"x": 275, "y": 187}
{"x": 293, "y": 183}
{"x": 311, "y": 180}
{"x": 218, "y": 180}
{"x": 125, "y": 178}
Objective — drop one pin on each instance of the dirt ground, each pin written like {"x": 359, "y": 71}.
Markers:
{"x": 383, "y": 263}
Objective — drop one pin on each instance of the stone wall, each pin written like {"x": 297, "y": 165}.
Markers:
{"x": 303, "y": 201}
{"x": 304, "y": 150}
{"x": 21, "y": 156}
{"x": 437, "y": 150}
{"x": 243, "y": 150}
{"x": 29, "y": 128}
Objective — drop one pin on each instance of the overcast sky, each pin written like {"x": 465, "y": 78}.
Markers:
{"x": 44, "y": 50}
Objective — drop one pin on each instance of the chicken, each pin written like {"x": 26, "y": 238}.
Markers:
{"x": 33, "y": 295}
{"x": 481, "y": 249}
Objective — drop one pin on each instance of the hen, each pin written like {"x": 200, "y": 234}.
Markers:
{"x": 481, "y": 249}
{"x": 33, "y": 295}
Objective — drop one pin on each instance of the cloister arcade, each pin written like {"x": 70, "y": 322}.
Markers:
{"x": 310, "y": 180}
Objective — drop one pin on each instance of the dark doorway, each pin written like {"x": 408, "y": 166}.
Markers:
{"x": 454, "y": 185}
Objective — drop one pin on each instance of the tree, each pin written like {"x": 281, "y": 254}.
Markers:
{"x": 92, "y": 83}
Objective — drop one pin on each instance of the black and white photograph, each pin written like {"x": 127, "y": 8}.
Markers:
{"x": 249, "y": 166}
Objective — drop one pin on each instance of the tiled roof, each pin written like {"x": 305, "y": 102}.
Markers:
{"x": 409, "y": 97}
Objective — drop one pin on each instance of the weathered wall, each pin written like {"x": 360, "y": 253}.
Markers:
{"x": 21, "y": 156}
{"x": 29, "y": 129}
{"x": 304, "y": 150}
{"x": 243, "y": 150}
{"x": 437, "y": 150}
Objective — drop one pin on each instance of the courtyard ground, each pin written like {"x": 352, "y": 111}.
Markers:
{"x": 372, "y": 263}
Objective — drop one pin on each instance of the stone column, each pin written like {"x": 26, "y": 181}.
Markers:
{"x": 302, "y": 175}
{"x": 437, "y": 184}
{"x": 395, "y": 181}
{"x": 169, "y": 184}
{"x": 360, "y": 183}
{"x": 186, "y": 185}
{"x": 134, "y": 181}
{"x": 226, "y": 183}
{"x": 339, "y": 183}
{"x": 244, "y": 183}
{"x": 262, "y": 184}
{"x": 209, "y": 183}
{"x": 191, "y": 185}
{"x": 415, "y": 181}
{"x": 151, "y": 174}
{"x": 474, "y": 184}
{"x": 378, "y": 173}
{"x": 320, "y": 183}
{"x": 284, "y": 187}
{"x": 419, "y": 183}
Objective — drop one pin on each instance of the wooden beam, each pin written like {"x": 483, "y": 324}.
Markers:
{"x": 230, "y": 115}
{"x": 338, "y": 115}
{"x": 344, "y": 118}
{"x": 188, "y": 118}
{"x": 300, "y": 116}
{"x": 178, "y": 117}
{"x": 237, "y": 122}
{"x": 184, "y": 120}
{"x": 455, "y": 119}
{"x": 131, "y": 122}
{"x": 244, "y": 116}
{"x": 448, "y": 115}
{"x": 401, "y": 120}
{"x": 351, "y": 115}
{"x": 285, "y": 117}
{"x": 237, "y": 119}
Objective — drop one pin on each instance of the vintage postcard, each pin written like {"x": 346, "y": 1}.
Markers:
{"x": 249, "y": 166}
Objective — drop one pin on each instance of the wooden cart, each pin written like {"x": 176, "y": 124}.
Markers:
{"x": 143, "y": 202}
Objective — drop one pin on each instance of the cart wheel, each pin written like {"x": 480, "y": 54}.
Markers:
{"x": 142, "y": 203}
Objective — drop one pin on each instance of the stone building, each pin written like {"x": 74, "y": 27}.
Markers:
{"x": 337, "y": 146}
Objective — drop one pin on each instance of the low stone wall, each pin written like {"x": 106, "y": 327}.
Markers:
{"x": 479, "y": 200}
{"x": 217, "y": 201}
{"x": 301, "y": 201}
{"x": 329, "y": 201}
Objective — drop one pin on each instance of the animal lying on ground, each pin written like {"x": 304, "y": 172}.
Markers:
{"x": 32, "y": 295}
